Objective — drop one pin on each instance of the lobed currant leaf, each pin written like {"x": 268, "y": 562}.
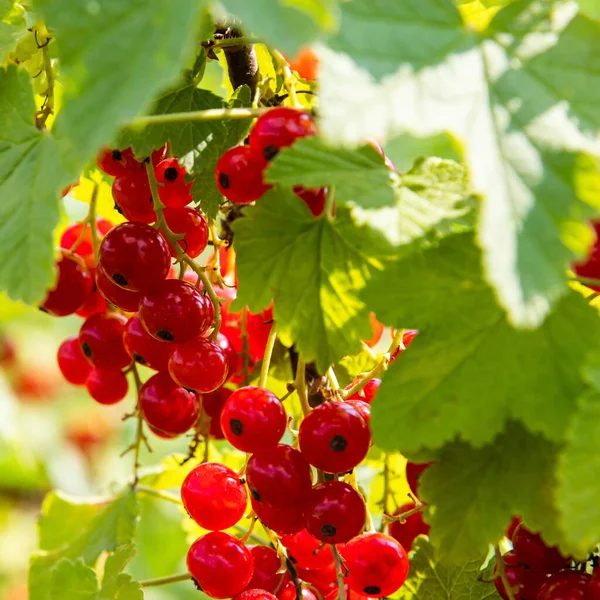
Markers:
{"x": 318, "y": 308}
{"x": 13, "y": 25}
{"x": 436, "y": 391}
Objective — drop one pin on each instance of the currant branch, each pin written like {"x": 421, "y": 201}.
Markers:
{"x": 300, "y": 385}
{"x": 264, "y": 370}
{"x": 48, "y": 105}
{"x": 502, "y": 573}
{"x": 339, "y": 570}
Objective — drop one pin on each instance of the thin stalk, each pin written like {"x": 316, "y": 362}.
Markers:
{"x": 264, "y": 369}
{"x": 139, "y": 432}
{"x": 289, "y": 81}
{"x": 240, "y": 41}
{"x": 166, "y": 580}
{"x": 330, "y": 203}
{"x": 48, "y": 108}
{"x": 91, "y": 219}
{"x": 245, "y": 347}
{"x": 339, "y": 569}
{"x": 333, "y": 379}
{"x": 300, "y": 385}
{"x": 502, "y": 573}
{"x": 159, "y": 494}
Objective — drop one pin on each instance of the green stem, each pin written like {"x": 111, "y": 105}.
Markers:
{"x": 159, "y": 494}
{"x": 91, "y": 219}
{"x": 329, "y": 203}
{"x": 210, "y": 290}
{"x": 49, "y": 101}
{"x": 239, "y": 41}
{"x": 166, "y": 580}
{"x": 589, "y": 281}
{"x": 264, "y": 369}
{"x": 139, "y": 433}
{"x": 502, "y": 573}
{"x": 381, "y": 366}
{"x": 245, "y": 346}
{"x": 337, "y": 559}
{"x": 289, "y": 81}
{"x": 300, "y": 385}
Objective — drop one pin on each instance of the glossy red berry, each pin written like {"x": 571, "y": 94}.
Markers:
{"x": 566, "y": 585}
{"x": 363, "y": 409}
{"x": 74, "y": 233}
{"x": 221, "y": 564}
{"x": 377, "y": 564}
{"x": 213, "y": 402}
{"x": 116, "y": 162}
{"x": 268, "y": 573}
{"x": 413, "y": 526}
{"x": 135, "y": 256}
{"x": 121, "y": 298}
{"x": 335, "y": 512}
{"x": 133, "y": 197}
{"x": 101, "y": 339}
{"x": 281, "y": 520}
{"x": 306, "y": 551}
{"x": 72, "y": 363}
{"x": 290, "y": 592}
{"x": 233, "y": 359}
{"x": 334, "y": 437}
{"x": 173, "y": 191}
{"x": 280, "y": 128}
{"x": 370, "y": 390}
{"x": 94, "y": 302}
{"x": 531, "y": 549}
{"x": 72, "y": 286}
{"x": 253, "y": 419}
{"x": 143, "y": 348}
{"x": 524, "y": 581}
{"x": 413, "y": 474}
{"x": 314, "y": 198}
{"x": 255, "y": 594}
{"x": 176, "y": 311}
{"x": 168, "y": 407}
{"x": 107, "y": 386}
{"x": 324, "y": 580}
{"x": 193, "y": 225}
{"x": 239, "y": 175}
{"x": 279, "y": 477}
{"x": 214, "y": 496}
{"x": 200, "y": 365}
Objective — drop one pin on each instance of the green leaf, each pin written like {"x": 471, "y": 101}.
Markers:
{"x": 71, "y": 528}
{"x": 578, "y": 487}
{"x": 590, "y": 8}
{"x": 379, "y": 35}
{"x": 403, "y": 149}
{"x": 431, "y": 580}
{"x": 523, "y": 105}
{"x": 360, "y": 176}
{"x": 31, "y": 177}
{"x": 474, "y": 492}
{"x": 202, "y": 160}
{"x": 284, "y": 25}
{"x": 116, "y": 584}
{"x": 313, "y": 269}
{"x": 115, "y": 55}
{"x": 468, "y": 370}
{"x": 13, "y": 24}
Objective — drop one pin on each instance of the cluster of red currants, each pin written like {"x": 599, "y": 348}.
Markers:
{"x": 240, "y": 171}
{"x": 536, "y": 571}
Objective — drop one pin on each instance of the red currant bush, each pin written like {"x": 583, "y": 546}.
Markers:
{"x": 200, "y": 365}
{"x": 253, "y": 419}
{"x": 239, "y": 175}
{"x": 106, "y": 386}
{"x": 166, "y": 406}
{"x": 135, "y": 256}
{"x": 335, "y": 512}
{"x": 214, "y": 496}
{"x": 101, "y": 339}
{"x": 221, "y": 564}
{"x": 334, "y": 437}
{"x": 175, "y": 311}
{"x": 377, "y": 565}
{"x": 72, "y": 363}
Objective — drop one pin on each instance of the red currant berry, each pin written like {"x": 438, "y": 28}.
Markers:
{"x": 377, "y": 564}
{"x": 168, "y": 407}
{"x": 116, "y": 162}
{"x": 135, "y": 256}
{"x": 214, "y": 496}
{"x": 334, "y": 437}
{"x": 370, "y": 389}
{"x": 176, "y": 311}
{"x": 192, "y": 224}
{"x": 306, "y": 551}
{"x": 79, "y": 231}
{"x": 413, "y": 474}
{"x": 525, "y": 582}
{"x": 279, "y": 476}
{"x": 279, "y": 128}
{"x": 253, "y": 419}
{"x": 566, "y": 585}
{"x": 121, "y": 298}
{"x": 231, "y": 354}
{"x": 213, "y": 402}
{"x": 255, "y": 594}
{"x": 324, "y": 580}
{"x": 107, "y": 387}
{"x": 132, "y": 194}
{"x": 267, "y": 570}
{"x": 590, "y": 266}
{"x": 72, "y": 363}
{"x": 161, "y": 434}
{"x": 145, "y": 349}
{"x": 259, "y": 326}
{"x": 350, "y": 595}
{"x": 73, "y": 285}
{"x": 200, "y": 365}
{"x": 101, "y": 339}
{"x": 173, "y": 191}
{"x": 290, "y": 592}
{"x": 305, "y": 63}
{"x": 363, "y": 409}
{"x": 94, "y": 302}
{"x": 531, "y": 549}
{"x": 239, "y": 175}
{"x": 221, "y": 564}
{"x": 335, "y": 512}
{"x": 280, "y": 520}
{"x": 413, "y": 526}
{"x": 314, "y": 198}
